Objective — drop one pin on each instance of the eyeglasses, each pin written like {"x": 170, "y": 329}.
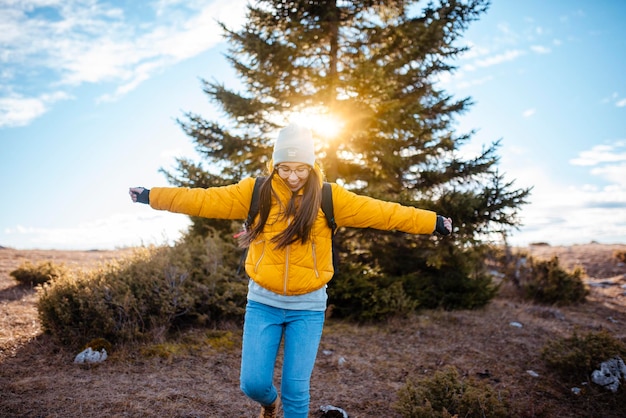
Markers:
{"x": 301, "y": 171}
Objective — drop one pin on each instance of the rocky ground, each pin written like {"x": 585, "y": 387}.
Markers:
{"x": 360, "y": 368}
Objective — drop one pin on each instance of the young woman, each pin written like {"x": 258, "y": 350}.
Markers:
{"x": 289, "y": 260}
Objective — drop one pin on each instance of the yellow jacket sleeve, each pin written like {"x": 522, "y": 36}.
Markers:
{"x": 357, "y": 211}
{"x": 227, "y": 202}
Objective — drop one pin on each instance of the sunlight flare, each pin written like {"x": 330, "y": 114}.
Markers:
{"x": 325, "y": 125}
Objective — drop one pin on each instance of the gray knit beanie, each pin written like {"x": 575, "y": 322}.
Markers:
{"x": 294, "y": 145}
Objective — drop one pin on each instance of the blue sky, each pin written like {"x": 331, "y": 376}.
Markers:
{"x": 90, "y": 90}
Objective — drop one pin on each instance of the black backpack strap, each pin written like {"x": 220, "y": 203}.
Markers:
{"x": 327, "y": 207}
{"x": 254, "y": 203}
{"x": 252, "y": 213}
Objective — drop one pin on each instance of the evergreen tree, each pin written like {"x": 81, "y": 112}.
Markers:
{"x": 373, "y": 66}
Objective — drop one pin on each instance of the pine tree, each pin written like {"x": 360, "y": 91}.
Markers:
{"x": 372, "y": 65}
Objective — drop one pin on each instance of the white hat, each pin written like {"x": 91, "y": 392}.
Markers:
{"x": 294, "y": 145}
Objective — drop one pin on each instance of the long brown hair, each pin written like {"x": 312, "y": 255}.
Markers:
{"x": 303, "y": 207}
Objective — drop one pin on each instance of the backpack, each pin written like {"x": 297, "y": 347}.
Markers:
{"x": 327, "y": 208}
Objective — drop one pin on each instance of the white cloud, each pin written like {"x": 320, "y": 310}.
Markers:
{"x": 484, "y": 62}
{"x": 474, "y": 51}
{"x": 20, "y": 111}
{"x": 562, "y": 214}
{"x": 474, "y": 82}
{"x": 565, "y": 214}
{"x": 505, "y": 29}
{"x": 615, "y": 99}
{"x": 539, "y": 49}
{"x": 499, "y": 59}
{"x": 601, "y": 154}
{"x": 116, "y": 231}
{"x": 614, "y": 173}
{"x": 565, "y": 210}
{"x": 608, "y": 162}
{"x": 528, "y": 113}
{"x": 73, "y": 42}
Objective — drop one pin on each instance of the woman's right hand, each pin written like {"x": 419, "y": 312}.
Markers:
{"x": 139, "y": 194}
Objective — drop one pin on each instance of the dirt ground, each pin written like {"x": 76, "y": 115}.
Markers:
{"x": 359, "y": 368}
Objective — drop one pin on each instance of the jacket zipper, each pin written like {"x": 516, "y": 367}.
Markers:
{"x": 286, "y": 276}
{"x": 317, "y": 274}
{"x": 286, "y": 270}
{"x": 256, "y": 266}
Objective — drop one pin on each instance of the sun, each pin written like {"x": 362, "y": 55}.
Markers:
{"x": 323, "y": 124}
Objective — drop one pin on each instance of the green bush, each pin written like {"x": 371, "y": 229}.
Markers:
{"x": 145, "y": 295}
{"x": 32, "y": 275}
{"x": 445, "y": 395}
{"x": 550, "y": 284}
{"x": 454, "y": 280}
{"x": 576, "y": 357}
{"x": 452, "y": 289}
{"x": 391, "y": 302}
{"x": 219, "y": 293}
{"x": 361, "y": 294}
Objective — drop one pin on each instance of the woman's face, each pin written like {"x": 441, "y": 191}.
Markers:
{"x": 294, "y": 174}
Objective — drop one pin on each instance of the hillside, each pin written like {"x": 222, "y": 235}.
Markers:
{"x": 359, "y": 368}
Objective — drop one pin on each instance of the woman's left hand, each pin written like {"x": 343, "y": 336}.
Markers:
{"x": 444, "y": 225}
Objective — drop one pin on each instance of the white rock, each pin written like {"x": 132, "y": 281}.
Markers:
{"x": 610, "y": 374}
{"x": 327, "y": 408}
{"x": 90, "y": 356}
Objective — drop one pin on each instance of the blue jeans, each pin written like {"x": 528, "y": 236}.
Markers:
{"x": 263, "y": 329}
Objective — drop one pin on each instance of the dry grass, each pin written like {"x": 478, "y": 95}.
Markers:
{"x": 359, "y": 368}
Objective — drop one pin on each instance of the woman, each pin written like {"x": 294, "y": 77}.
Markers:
{"x": 289, "y": 261}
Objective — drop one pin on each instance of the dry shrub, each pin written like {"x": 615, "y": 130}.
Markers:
{"x": 542, "y": 281}
{"x": 221, "y": 340}
{"x": 37, "y": 274}
{"x": 551, "y": 284}
{"x": 122, "y": 300}
{"x": 165, "y": 350}
{"x": 144, "y": 296}
{"x": 446, "y": 395}
{"x": 621, "y": 256}
{"x": 192, "y": 342}
{"x": 99, "y": 344}
{"x": 576, "y": 357}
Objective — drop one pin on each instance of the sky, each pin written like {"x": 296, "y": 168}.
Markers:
{"x": 90, "y": 92}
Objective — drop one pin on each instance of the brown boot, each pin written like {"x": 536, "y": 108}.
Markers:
{"x": 270, "y": 411}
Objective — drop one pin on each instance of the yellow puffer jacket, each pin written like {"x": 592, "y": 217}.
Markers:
{"x": 298, "y": 268}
